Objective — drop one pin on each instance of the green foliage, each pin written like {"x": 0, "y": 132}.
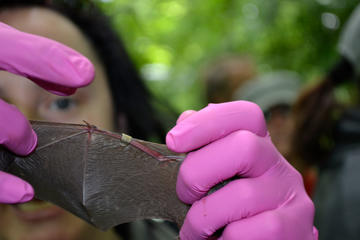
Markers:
{"x": 172, "y": 40}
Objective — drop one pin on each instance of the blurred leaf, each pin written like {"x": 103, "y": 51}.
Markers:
{"x": 186, "y": 34}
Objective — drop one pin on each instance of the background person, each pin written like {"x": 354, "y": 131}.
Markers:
{"x": 327, "y": 135}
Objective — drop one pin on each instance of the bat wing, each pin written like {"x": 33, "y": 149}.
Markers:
{"x": 100, "y": 176}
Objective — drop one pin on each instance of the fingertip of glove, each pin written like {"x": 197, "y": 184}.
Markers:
{"x": 33, "y": 142}
{"x": 85, "y": 70}
{"x": 17, "y": 134}
{"x": 315, "y": 233}
{"x": 29, "y": 146}
{"x": 181, "y": 138}
{"x": 170, "y": 141}
{"x": 71, "y": 70}
{"x": 177, "y": 140}
{"x": 14, "y": 189}
{"x": 28, "y": 193}
{"x": 185, "y": 115}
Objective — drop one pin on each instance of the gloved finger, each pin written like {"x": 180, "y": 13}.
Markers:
{"x": 239, "y": 200}
{"x": 273, "y": 225}
{"x": 14, "y": 190}
{"x": 315, "y": 233}
{"x": 51, "y": 65}
{"x": 185, "y": 115}
{"x": 214, "y": 122}
{"x": 16, "y": 133}
{"x": 248, "y": 156}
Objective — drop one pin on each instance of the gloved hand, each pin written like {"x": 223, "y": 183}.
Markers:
{"x": 52, "y": 66}
{"x": 266, "y": 201}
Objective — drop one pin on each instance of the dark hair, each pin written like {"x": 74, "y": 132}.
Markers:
{"x": 129, "y": 93}
{"x": 316, "y": 112}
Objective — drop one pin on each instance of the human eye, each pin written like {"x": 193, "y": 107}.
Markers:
{"x": 63, "y": 104}
{"x": 61, "y": 108}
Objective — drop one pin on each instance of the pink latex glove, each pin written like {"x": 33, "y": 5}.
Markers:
{"x": 52, "y": 66}
{"x": 267, "y": 201}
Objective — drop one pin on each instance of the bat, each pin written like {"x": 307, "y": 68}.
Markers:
{"x": 103, "y": 177}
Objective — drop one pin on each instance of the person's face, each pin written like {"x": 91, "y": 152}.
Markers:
{"x": 37, "y": 220}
